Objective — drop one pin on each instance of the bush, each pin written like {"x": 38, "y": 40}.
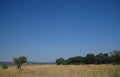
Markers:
{"x": 4, "y": 67}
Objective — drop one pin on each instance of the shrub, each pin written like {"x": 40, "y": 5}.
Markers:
{"x": 4, "y": 67}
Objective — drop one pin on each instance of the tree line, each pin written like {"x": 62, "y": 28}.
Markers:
{"x": 101, "y": 58}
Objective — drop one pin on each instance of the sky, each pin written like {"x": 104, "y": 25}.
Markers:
{"x": 44, "y": 30}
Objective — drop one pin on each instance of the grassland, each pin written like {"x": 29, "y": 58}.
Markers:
{"x": 63, "y": 71}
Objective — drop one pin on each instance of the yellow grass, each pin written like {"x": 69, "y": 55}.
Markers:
{"x": 63, "y": 71}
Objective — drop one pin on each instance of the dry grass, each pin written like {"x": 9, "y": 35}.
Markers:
{"x": 63, "y": 71}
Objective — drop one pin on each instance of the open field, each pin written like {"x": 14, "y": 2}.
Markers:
{"x": 63, "y": 71}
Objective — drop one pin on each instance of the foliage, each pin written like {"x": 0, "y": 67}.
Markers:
{"x": 101, "y": 58}
{"x": 4, "y": 67}
{"x": 60, "y": 61}
{"x": 115, "y": 55}
{"x": 19, "y": 61}
{"x": 90, "y": 59}
{"x": 75, "y": 60}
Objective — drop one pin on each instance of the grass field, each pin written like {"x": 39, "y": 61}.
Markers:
{"x": 63, "y": 71}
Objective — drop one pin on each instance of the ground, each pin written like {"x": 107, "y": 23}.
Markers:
{"x": 62, "y": 71}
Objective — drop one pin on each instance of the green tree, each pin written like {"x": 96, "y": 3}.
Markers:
{"x": 20, "y": 61}
{"x": 106, "y": 58}
{"x": 60, "y": 61}
{"x": 4, "y": 67}
{"x": 100, "y": 58}
{"x": 76, "y": 60}
{"x": 90, "y": 59}
{"x": 115, "y": 56}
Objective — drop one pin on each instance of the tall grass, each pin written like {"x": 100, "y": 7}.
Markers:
{"x": 63, "y": 71}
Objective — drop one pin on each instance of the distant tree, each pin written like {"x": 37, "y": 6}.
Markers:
{"x": 76, "y": 60}
{"x": 90, "y": 59}
{"x": 60, "y": 61}
{"x": 99, "y": 58}
{"x": 106, "y": 58}
{"x": 115, "y": 56}
{"x": 20, "y": 61}
{"x": 103, "y": 58}
{"x": 4, "y": 67}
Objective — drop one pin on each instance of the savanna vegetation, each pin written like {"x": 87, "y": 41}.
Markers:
{"x": 4, "y": 67}
{"x": 20, "y": 61}
{"x": 63, "y": 71}
{"x": 101, "y": 58}
{"x": 100, "y": 65}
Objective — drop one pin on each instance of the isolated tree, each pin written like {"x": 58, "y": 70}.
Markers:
{"x": 60, "y": 61}
{"x": 4, "y": 67}
{"x": 20, "y": 61}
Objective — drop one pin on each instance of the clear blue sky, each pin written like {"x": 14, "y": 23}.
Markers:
{"x": 43, "y": 30}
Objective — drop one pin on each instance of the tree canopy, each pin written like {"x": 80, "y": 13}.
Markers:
{"x": 19, "y": 61}
{"x": 101, "y": 58}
